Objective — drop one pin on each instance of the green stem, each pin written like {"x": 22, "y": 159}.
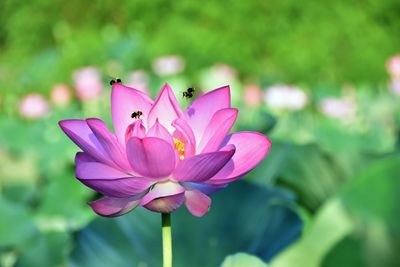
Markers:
{"x": 166, "y": 239}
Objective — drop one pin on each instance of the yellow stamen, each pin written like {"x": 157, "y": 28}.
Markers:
{"x": 180, "y": 147}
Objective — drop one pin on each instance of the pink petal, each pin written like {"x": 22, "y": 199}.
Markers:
{"x": 197, "y": 203}
{"x": 166, "y": 204}
{"x": 109, "y": 143}
{"x": 112, "y": 206}
{"x": 218, "y": 128}
{"x": 200, "y": 168}
{"x": 164, "y": 197}
{"x": 185, "y": 134}
{"x": 151, "y": 156}
{"x": 161, "y": 132}
{"x": 135, "y": 129}
{"x": 83, "y": 157}
{"x": 166, "y": 109}
{"x": 251, "y": 148}
{"x": 200, "y": 112}
{"x": 80, "y": 133}
{"x": 107, "y": 180}
{"x": 125, "y": 101}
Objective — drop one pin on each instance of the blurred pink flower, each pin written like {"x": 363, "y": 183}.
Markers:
{"x": 168, "y": 65}
{"x": 393, "y": 66}
{"x": 252, "y": 95}
{"x": 60, "y": 95}
{"x": 338, "y": 108}
{"x": 219, "y": 75}
{"x": 166, "y": 157}
{"x": 33, "y": 106}
{"x": 224, "y": 70}
{"x": 88, "y": 84}
{"x": 285, "y": 97}
{"x": 394, "y": 86}
{"x": 139, "y": 79}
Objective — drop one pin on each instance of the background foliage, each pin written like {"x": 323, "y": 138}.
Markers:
{"x": 327, "y": 193}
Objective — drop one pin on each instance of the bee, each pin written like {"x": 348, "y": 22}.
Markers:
{"x": 117, "y": 80}
{"x": 189, "y": 93}
{"x": 136, "y": 114}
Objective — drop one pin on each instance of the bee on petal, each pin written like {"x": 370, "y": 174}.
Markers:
{"x": 116, "y": 80}
{"x": 136, "y": 114}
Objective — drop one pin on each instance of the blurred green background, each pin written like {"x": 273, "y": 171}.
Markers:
{"x": 320, "y": 78}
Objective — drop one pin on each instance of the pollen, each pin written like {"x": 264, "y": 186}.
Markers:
{"x": 180, "y": 147}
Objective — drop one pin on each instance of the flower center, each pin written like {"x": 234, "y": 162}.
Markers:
{"x": 180, "y": 147}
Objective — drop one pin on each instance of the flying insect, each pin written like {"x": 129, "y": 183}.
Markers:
{"x": 189, "y": 92}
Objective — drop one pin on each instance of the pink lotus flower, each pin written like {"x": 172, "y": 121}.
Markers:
{"x": 33, "y": 106}
{"x": 88, "y": 83}
{"x": 138, "y": 79}
{"x": 168, "y": 65}
{"x": 60, "y": 95}
{"x": 343, "y": 109}
{"x": 252, "y": 95}
{"x": 394, "y": 86}
{"x": 393, "y": 66}
{"x": 219, "y": 74}
{"x": 165, "y": 158}
{"x": 285, "y": 97}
